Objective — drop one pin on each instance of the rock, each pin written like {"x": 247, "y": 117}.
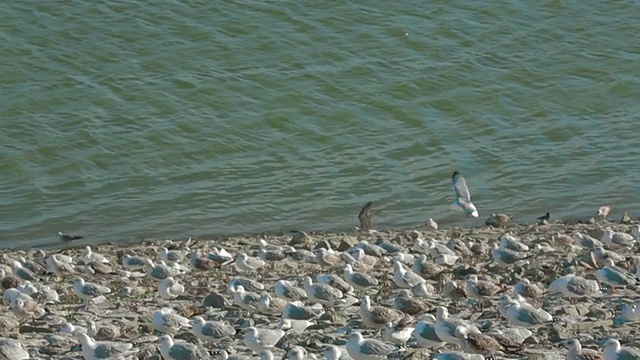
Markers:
{"x": 347, "y": 243}
{"x": 322, "y": 244}
{"x": 419, "y": 354}
{"x": 299, "y": 238}
{"x": 215, "y": 300}
{"x": 539, "y": 354}
{"x": 414, "y": 234}
{"x": 557, "y": 333}
{"x": 589, "y": 325}
{"x": 27, "y": 329}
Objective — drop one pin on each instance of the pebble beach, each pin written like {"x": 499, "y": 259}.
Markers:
{"x": 232, "y": 282}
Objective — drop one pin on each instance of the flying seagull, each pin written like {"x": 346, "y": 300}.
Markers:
{"x": 463, "y": 197}
{"x": 365, "y": 216}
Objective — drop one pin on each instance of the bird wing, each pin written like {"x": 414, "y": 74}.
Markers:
{"x": 184, "y": 351}
{"x": 365, "y": 217}
{"x": 460, "y": 187}
{"x": 375, "y": 347}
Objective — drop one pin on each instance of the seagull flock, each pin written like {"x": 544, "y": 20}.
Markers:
{"x": 374, "y": 296}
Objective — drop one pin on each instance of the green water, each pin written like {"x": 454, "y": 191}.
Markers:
{"x": 122, "y": 119}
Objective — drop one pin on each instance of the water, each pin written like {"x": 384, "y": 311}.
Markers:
{"x": 122, "y": 120}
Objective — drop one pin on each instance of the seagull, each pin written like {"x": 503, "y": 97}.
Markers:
{"x": 247, "y": 263}
{"x": 599, "y": 253}
{"x": 629, "y": 312}
{"x": 271, "y": 255}
{"x": 336, "y": 281}
{"x": 463, "y": 197}
{"x": 202, "y": 263}
{"x": 371, "y": 249}
{"x": 131, "y": 262}
{"x": 169, "y": 288}
{"x": 484, "y": 344}
{"x": 408, "y": 304}
{"x": 23, "y": 273}
{"x": 613, "y": 351}
{"x": 425, "y": 333}
{"x": 269, "y": 305}
{"x": 367, "y": 349}
{"x": 68, "y": 237}
{"x": 211, "y": 330}
{"x": 617, "y": 239}
{"x": 506, "y": 257}
{"x": 247, "y": 284}
{"x": 221, "y": 256}
{"x": 89, "y": 257}
{"x": 604, "y": 211}
{"x": 182, "y": 350}
{"x": 480, "y": 289}
{"x": 326, "y": 258}
{"x": 576, "y": 352}
{"x": 23, "y": 309}
{"x": 12, "y": 350}
{"x": 360, "y": 255}
{"x": 109, "y": 332}
{"x": 263, "y": 339}
{"x": 171, "y": 256}
{"x": 405, "y": 279}
{"x": 378, "y": 316}
{"x": 526, "y": 289}
{"x": 359, "y": 280}
{"x": 614, "y": 276}
{"x": 506, "y": 300}
{"x": 574, "y": 286}
{"x": 286, "y": 290}
{"x": 586, "y": 241}
{"x": 158, "y": 271}
{"x": 93, "y": 350}
{"x": 452, "y": 291}
{"x": 399, "y": 333}
{"x": 332, "y": 352}
{"x": 457, "y": 355}
{"x": 431, "y": 224}
{"x": 497, "y": 220}
{"x": 88, "y": 291}
{"x": 246, "y": 300}
{"x": 445, "y": 326}
{"x": 297, "y": 311}
{"x": 296, "y": 353}
{"x": 168, "y": 321}
{"x": 322, "y": 293}
{"x": 224, "y": 355}
{"x": 296, "y": 327}
{"x": 69, "y": 328}
{"x": 526, "y": 315}
{"x": 26, "y": 287}
{"x": 365, "y": 216}
{"x": 512, "y": 243}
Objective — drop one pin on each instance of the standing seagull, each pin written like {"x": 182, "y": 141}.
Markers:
{"x": 463, "y": 197}
{"x": 365, "y": 216}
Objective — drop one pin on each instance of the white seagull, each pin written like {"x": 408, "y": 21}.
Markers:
{"x": 463, "y": 197}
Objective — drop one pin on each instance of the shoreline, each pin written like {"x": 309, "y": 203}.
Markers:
{"x": 134, "y": 299}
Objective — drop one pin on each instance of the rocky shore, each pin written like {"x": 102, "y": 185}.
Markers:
{"x": 125, "y": 314}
